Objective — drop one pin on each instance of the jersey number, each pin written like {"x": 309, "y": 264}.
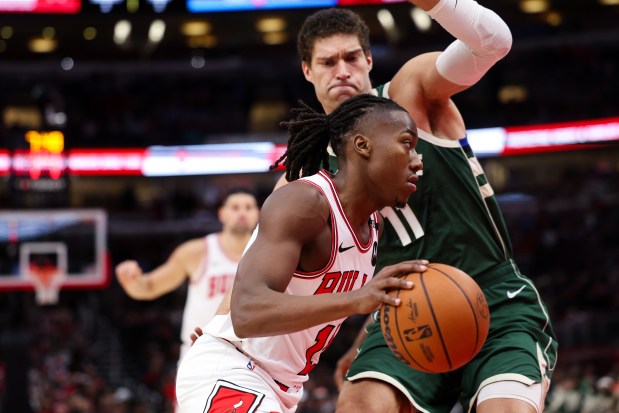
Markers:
{"x": 322, "y": 342}
{"x": 399, "y": 226}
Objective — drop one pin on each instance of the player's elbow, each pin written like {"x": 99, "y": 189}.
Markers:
{"x": 243, "y": 323}
{"x": 502, "y": 44}
{"x": 497, "y": 41}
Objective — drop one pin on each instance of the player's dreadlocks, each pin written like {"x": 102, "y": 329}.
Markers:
{"x": 311, "y": 132}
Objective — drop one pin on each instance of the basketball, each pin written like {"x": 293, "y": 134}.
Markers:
{"x": 441, "y": 324}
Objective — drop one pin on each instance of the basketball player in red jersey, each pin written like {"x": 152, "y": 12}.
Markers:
{"x": 312, "y": 262}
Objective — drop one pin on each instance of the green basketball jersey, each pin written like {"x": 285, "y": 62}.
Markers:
{"x": 453, "y": 218}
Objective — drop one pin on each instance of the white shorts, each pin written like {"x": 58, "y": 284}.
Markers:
{"x": 215, "y": 377}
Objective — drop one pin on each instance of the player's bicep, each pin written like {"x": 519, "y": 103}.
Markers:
{"x": 421, "y": 75}
{"x": 269, "y": 262}
{"x": 289, "y": 218}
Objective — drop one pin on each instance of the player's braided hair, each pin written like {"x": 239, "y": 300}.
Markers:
{"x": 328, "y": 22}
{"x": 311, "y": 132}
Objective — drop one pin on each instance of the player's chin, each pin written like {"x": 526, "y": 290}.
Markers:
{"x": 341, "y": 96}
{"x": 400, "y": 202}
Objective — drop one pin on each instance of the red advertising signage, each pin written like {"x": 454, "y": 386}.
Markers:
{"x": 356, "y": 2}
{"x": 46, "y": 157}
{"x": 40, "y": 6}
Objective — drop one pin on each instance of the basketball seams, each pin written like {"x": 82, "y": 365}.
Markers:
{"x": 466, "y": 297}
{"x": 436, "y": 339}
{"x": 397, "y": 324}
{"x": 438, "y": 328}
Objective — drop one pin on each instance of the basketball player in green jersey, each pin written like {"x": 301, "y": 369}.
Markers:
{"x": 453, "y": 219}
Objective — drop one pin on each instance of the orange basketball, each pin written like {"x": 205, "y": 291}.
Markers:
{"x": 441, "y": 324}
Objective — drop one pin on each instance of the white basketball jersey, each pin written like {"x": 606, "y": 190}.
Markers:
{"x": 207, "y": 287}
{"x": 289, "y": 358}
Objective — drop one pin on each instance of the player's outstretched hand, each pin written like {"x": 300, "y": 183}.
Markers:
{"x": 127, "y": 272}
{"x": 374, "y": 293}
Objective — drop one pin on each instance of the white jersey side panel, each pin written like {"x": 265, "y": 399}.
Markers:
{"x": 207, "y": 288}
{"x": 289, "y": 358}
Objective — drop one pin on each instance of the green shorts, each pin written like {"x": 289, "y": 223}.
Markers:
{"x": 521, "y": 346}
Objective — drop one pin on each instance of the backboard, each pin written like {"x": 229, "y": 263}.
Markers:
{"x": 68, "y": 245}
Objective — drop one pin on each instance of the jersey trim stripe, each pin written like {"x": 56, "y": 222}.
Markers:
{"x": 223, "y": 250}
{"x": 360, "y": 246}
{"x": 445, "y": 143}
{"x": 334, "y": 237}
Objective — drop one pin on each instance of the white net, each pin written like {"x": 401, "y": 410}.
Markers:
{"x": 47, "y": 281}
{"x": 44, "y": 265}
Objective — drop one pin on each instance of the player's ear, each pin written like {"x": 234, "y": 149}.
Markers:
{"x": 362, "y": 145}
{"x": 307, "y": 71}
{"x": 370, "y": 61}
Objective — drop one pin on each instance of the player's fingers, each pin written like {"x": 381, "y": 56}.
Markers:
{"x": 393, "y": 283}
{"x": 126, "y": 266}
{"x": 197, "y": 332}
{"x": 406, "y": 267}
{"x": 389, "y": 299}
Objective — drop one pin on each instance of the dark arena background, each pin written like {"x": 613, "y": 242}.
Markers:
{"x": 125, "y": 121}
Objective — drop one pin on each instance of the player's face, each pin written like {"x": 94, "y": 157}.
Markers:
{"x": 394, "y": 162}
{"x": 239, "y": 214}
{"x": 339, "y": 70}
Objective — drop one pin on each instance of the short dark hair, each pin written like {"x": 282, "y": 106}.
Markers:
{"x": 234, "y": 191}
{"x": 311, "y": 132}
{"x": 328, "y": 22}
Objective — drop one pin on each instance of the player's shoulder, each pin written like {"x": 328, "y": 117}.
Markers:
{"x": 192, "y": 245}
{"x": 295, "y": 205}
{"x": 298, "y": 195}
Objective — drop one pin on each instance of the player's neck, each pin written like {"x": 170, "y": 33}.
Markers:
{"x": 234, "y": 244}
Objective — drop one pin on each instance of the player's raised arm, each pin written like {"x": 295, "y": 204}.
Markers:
{"x": 163, "y": 279}
{"x": 482, "y": 39}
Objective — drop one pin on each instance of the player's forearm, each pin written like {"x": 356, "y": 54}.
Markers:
{"x": 275, "y": 313}
{"x": 141, "y": 289}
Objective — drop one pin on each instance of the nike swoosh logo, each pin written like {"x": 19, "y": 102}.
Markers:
{"x": 342, "y": 249}
{"x": 512, "y": 294}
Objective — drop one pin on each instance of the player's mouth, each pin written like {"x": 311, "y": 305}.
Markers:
{"x": 412, "y": 182}
{"x": 343, "y": 86}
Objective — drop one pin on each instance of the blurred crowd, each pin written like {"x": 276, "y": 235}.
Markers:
{"x": 100, "y": 351}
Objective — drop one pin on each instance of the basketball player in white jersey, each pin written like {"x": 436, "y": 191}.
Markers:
{"x": 312, "y": 262}
{"x": 209, "y": 263}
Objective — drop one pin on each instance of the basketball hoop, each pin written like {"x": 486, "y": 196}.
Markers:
{"x": 44, "y": 266}
{"x": 47, "y": 280}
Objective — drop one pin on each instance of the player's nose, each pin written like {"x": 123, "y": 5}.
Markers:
{"x": 415, "y": 164}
